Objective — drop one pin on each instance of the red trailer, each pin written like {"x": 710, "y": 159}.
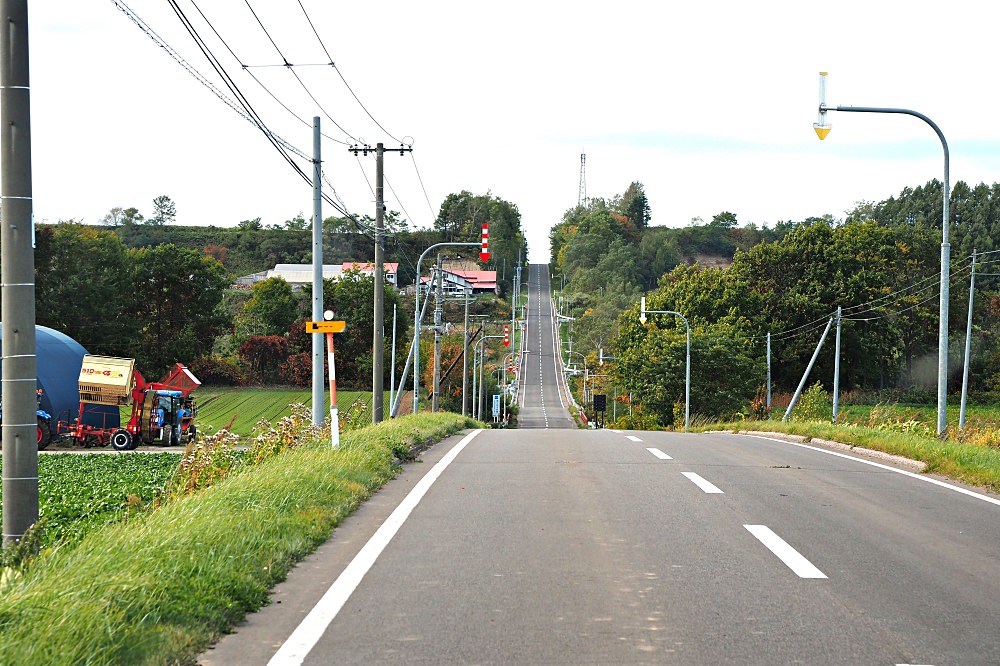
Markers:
{"x": 162, "y": 411}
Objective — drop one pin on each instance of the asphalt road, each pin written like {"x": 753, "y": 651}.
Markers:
{"x": 586, "y": 547}
{"x": 542, "y": 403}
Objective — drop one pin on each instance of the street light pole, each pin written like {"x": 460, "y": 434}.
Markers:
{"x": 687, "y": 373}
{"x": 416, "y": 320}
{"x": 822, "y": 129}
{"x": 478, "y": 409}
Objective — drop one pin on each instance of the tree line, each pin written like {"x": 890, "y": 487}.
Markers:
{"x": 880, "y": 264}
{"x": 161, "y": 293}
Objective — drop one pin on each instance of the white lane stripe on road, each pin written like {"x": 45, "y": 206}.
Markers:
{"x": 802, "y": 567}
{"x": 700, "y": 481}
{"x": 294, "y": 650}
{"x": 633, "y": 438}
{"x": 659, "y": 454}
{"x": 985, "y": 498}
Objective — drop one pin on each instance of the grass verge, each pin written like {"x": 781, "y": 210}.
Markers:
{"x": 160, "y": 588}
{"x": 968, "y": 463}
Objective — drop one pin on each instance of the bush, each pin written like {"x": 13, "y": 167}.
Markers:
{"x": 297, "y": 370}
{"x": 814, "y": 405}
{"x": 218, "y": 371}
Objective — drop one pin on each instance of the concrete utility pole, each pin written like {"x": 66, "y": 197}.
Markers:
{"x": 378, "y": 337}
{"x": 377, "y": 341}
{"x": 17, "y": 274}
{"x": 465, "y": 357}
{"x": 318, "y": 344}
{"x": 436, "y": 402}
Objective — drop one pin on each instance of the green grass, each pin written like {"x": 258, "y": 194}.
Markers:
{"x": 160, "y": 588}
{"x": 977, "y": 465}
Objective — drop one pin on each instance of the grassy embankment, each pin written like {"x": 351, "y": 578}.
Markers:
{"x": 159, "y": 588}
{"x": 971, "y": 456}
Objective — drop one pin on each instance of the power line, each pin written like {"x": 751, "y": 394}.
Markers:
{"x": 291, "y": 69}
{"x": 421, "y": 181}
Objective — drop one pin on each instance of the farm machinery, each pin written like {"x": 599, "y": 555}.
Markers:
{"x": 43, "y": 422}
{"x": 161, "y": 412}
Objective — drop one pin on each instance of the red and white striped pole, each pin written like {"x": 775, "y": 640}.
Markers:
{"x": 484, "y": 254}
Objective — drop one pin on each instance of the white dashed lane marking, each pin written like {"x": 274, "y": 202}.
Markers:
{"x": 707, "y": 486}
{"x": 794, "y": 560}
{"x": 659, "y": 454}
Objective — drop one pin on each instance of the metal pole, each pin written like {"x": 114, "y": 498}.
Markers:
{"x": 378, "y": 342}
{"x": 436, "y": 402}
{"x": 482, "y": 371}
{"x": 805, "y": 375}
{"x": 392, "y": 370}
{"x": 836, "y": 369}
{"x": 317, "y": 282}
{"x": 465, "y": 358}
{"x": 687, "y": 365}
{"x": 942, "y": 401}
{"x": 687, "y": 378}
{"x": 475, "y": 364}
{"x": 406, "y": 368}
{"x": 417, "y": 317}
{"x": 769, "y": 374}
{"x": 968, "y": 343}
{"x": 17, "y": 274}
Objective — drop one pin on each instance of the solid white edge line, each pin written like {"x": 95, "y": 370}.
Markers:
{"x": 791, "y": 557}
{"x": 633, "y": 438}
{"x": 702, "y": 483}
{"x": 298, "y": 645}
{"x": 659, "y": 454}
{"x": 970, "y": 493}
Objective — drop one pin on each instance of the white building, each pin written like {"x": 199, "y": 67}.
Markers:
{"x": 299, "y": 275}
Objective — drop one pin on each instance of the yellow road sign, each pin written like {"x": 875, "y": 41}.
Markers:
{"x": 325, "y": 326}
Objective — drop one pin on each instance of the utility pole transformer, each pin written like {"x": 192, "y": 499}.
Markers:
{"x": 17, "y": 274}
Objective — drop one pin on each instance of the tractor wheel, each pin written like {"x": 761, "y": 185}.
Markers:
{"x": 190, "y": 434}
{"x": 121, "y": 440}
{"x": 44, "y": 433}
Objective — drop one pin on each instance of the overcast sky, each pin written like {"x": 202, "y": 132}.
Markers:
{"x": 709, "y": 104}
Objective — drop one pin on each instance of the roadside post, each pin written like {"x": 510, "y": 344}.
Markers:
{"x": 330, "y": 327}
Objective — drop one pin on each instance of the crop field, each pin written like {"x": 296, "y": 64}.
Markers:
{"x": 77, "y": 493}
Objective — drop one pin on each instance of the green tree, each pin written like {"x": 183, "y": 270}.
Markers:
{"x": 164, "y": 211}
{"x": 85, "y": 287}
{"x": 178, "y": 294}
{"x": 272, "y": 310}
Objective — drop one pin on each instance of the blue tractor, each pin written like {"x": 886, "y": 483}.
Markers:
{"x": 43, "y": 419}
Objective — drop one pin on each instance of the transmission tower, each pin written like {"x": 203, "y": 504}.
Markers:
{"x": 582, "y": 198}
